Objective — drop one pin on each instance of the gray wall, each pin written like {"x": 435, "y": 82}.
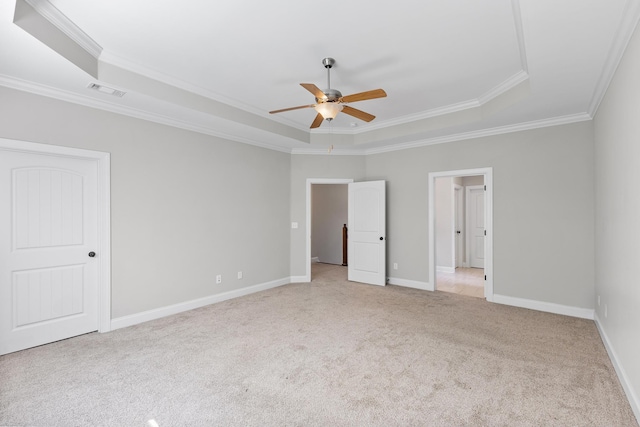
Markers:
{"x": 328, "y": 216}
{"x": 543, "y": 209}
{"x": 187, "y": 206}
{"x": 184, "y": 206}
{"x": 617, "y": 137}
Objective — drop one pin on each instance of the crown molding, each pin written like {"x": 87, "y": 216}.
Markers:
{"x": 513, "y": 81}
{"x": 555, "y": 121}
{"x": 58, "y": 19}
{"x": 506, "y": 85}
{"x": 326, "y": 152}
{"x": 117, "y": 61}
{"x": 38, "y": 89}
{"x": 628, "y": 23}
{"x": 63, "y": 95}
{"x": 49, "y": 12}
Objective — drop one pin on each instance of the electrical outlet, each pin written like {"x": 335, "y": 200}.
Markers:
{"x": 219, "y": 279}
{"x": 395, "y": 265}
{"x": 239, "y": 274}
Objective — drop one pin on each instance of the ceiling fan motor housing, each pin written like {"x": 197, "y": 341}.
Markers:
{"x": 332, "y": 95}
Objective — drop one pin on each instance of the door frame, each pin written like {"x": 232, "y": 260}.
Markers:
{"x": 467, "y": 242}
{"x": 487, "y": 173}
{"x": 310, "y": 181}
{"x": 103, "y": 161}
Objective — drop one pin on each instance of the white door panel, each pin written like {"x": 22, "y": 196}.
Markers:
{"x": 48, "y": 225}
{"x": 476, "y": 229}
{"x": 367, "y": 241}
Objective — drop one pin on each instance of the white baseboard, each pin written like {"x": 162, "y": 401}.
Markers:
{"x": 409, "y": 283}
{"x": 299, "y": 279}
{"x": 315, "y": 259}
{"x": 145, "y": 316}
{"x": 632, "y": 396}
{"x": 549, "y": 307}
{"x": 443, "y": 269}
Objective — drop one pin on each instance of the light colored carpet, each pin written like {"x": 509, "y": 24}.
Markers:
{"x": 329, "y": 353}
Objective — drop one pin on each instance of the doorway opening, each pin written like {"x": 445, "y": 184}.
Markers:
{"x": 329, "y": 215}
{"x": 311, "y": 223}
{"x": 460, "y": 232}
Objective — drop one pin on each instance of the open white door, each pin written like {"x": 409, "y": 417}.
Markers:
{"x": 367, "y": 232}
{"x": 48, "y": 232}
{"x": 475, "y": 226}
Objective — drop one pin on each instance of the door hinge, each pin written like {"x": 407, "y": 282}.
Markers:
{"x": 485, "y": 188}
{"x": 485, "y": 232}
{"x": 485, "y": 277}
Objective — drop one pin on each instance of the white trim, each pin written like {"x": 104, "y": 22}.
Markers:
{"x": 310, "y": 181}
{"x": 513, "y": 81}
{"x": 59, "y": 20}
{"x": 632, "y": 396}
{"x": 325, "y": 151}
{"x": 50, "y": 92}
{"x": 537, "y": 124}
{"x": 488, "y": 209}
{"x": 87, "y": 101}
{"x": 548, "y": 307}
{"x": 103, "y": 161}
{"x": 629, "y": 20}
{"x": 113, "y": 59}
{"x": 443, "y": 269}
{"x": 145, "y": 316}
{"x": 501, "y": 88}
{"x": 315, "y": 259}
{"x": 299, "y": 279}
{"x": 408, "y": 283}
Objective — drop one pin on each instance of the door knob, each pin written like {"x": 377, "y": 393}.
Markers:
{"x": 381, "y": 238}
{"x": 92, "y": 254}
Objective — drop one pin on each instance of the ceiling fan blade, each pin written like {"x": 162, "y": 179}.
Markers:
{"x": 314, "y": 90}
{"x": 317, "y": 121}
{"x": 358, "y": 114}
{"x": 363, "y": 96}
{"x": 292, "y": 108}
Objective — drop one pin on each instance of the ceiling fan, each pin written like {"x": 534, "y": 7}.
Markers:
{"x": 330, "y": 101}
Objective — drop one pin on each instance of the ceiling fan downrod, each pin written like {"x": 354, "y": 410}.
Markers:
{"x": 328, "y": 63}
{"x": 332, "y": 95}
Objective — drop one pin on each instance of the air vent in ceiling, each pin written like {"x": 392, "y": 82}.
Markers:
{"x": 107, "y": 90}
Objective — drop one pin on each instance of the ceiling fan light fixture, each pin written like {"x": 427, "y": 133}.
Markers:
{"x": 329, "y": 110}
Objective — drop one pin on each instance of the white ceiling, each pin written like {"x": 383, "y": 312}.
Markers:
{"x": 451, "y": 68}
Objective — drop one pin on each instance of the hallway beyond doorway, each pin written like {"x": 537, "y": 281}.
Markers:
{"x": 465, "y": 281}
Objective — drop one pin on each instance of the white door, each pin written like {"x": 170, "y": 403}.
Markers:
{"x": 367, "y": 237}
{"x": 475, "y": 228}
{"x": 48, "y": 227}
{"x": 458, "y": 210}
